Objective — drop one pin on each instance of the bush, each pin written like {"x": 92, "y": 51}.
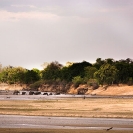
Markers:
{"x": 93, "y": 83}
{"x": 77, "y": 81}
{"x": 36, "y": 85}
{"x": 130, "y": 82}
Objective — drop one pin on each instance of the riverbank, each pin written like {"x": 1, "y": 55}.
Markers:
{"x": 121, "y": 89}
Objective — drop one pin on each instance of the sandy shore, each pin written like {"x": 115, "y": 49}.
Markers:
{"x": 27, "y": 130}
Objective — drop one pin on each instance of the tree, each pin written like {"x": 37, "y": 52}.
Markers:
{"x": 89, "y": 72}
{"x": 99, "y": 63}
{"x": 65, "y": 74}
{"x": 125, "y": 68}
{"x": 107, "y": 74}
{"x": 11, "y": 74}
{"x": 76, "y": 69}
{"x": 31, "y": 76}
{"x": 77, "y": 81}
{"x": 109, "y": 61}
{"x": 52, "y": 71}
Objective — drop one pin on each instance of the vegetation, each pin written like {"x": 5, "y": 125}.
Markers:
{"x": 102, "y": 72}
{"x": 106, "y": 74}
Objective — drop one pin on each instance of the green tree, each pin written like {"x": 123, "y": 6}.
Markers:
{"x": 77, "y": 81}
{"x": 109, "y": 61}
{"x": 65, "y": 74}
{"x": 107, "y": 74}
{"x": 31, "y": 76}
{"x": 125, "y": 68}
{"x": 52, "y": 71}
{"x": 75, "y": 69}
{"x": 99, "y": 63}
{"x": 12, "y": 74}
{"x": 89, "y": 72}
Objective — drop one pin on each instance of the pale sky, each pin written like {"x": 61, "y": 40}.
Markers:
{"x": 36, "y": 31}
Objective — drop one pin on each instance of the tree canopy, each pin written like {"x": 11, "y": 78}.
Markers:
{"x": 104, "y": 71}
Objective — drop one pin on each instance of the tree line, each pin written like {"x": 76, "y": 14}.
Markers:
{"x": 102, "y": 72}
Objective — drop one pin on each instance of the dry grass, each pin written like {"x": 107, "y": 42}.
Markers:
{"x": 75, "y": 107}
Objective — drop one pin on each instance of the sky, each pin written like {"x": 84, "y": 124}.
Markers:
{"x": 36, "y": 31}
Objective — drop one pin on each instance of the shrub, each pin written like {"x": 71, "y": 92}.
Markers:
{"x": 130, "y": 82}
{"x": 93, "y": 83}
{"x": 36, "y": 85}
{"x": 77, "y": 81}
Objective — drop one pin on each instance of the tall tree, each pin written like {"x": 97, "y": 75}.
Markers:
{"x": 107, "y": 74}
{"x": 125, "y": 68}
{"x": 99, "y": 63}
{"x": 74, "y": 70}
{"x": 12, "y": 74}
{"x": 89, "y": 72}
{"x": 31, "y": 76}
{"x": 109, "y": 61}
{"x": 52, "y": 71}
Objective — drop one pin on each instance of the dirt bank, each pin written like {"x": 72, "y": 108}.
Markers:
{"x": 4, "y": 86}
{"x": 110, "y": 90}
{"x": 113, "y": 90}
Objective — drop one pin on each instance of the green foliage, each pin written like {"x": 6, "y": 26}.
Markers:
{"x": 107, "y": 74}
{"x": 52, "y": 71}
{"x": 77, "y": 81}
{"x": 109, "y": 61}
{"x": 93, "y": 83}
{"x": 65, "y": 74}
{"x": 125, "y": 70}
{"x": 130, "y": 81}
{"x": 12, "y": 74}
{"x": 36, "y": 85}
{"x": 31, "y": 76}
{"x": 18, "y": 75}
{"x": 76, "y": 69}
{"x": 99, "y": 63}
{"x": 105, "y": 71}
{"x": 89, "y": 72}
